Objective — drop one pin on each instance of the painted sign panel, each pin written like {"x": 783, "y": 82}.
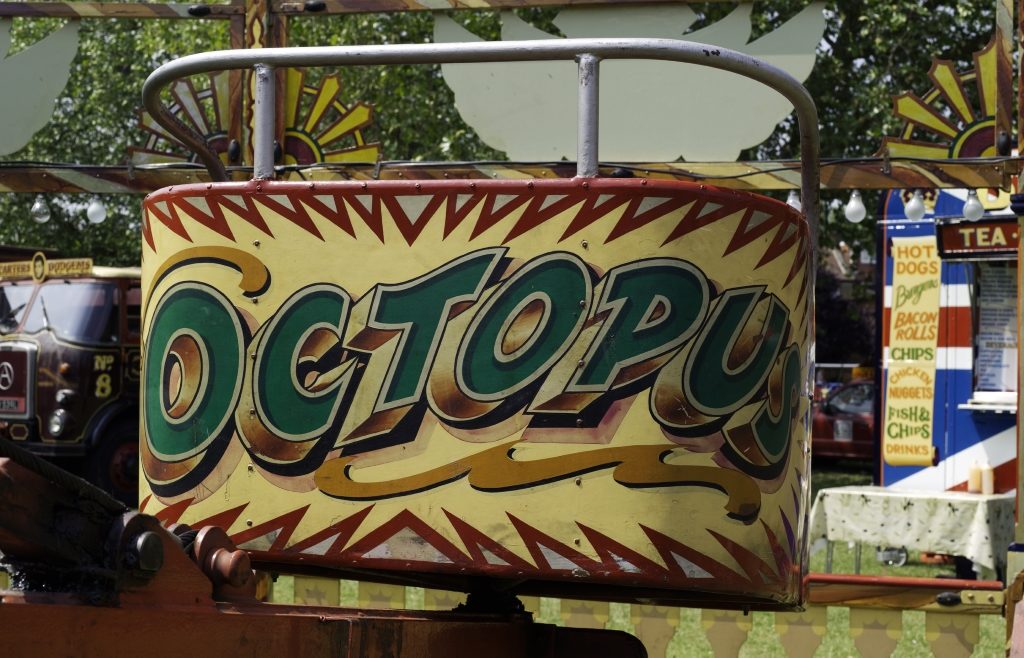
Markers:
{"x": 913, "y": 337}
{"x": 600, "y": 383}
{"x": 528, "y": 109}
{"x": 39, "y": 74}
{"x": 41, "y": 268}
{"x": 991, "y": 238}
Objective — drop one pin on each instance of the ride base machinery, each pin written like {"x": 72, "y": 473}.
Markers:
{"x": 591, "y": 387}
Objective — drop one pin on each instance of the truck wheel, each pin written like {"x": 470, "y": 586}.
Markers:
{"x": 114, "y": 464}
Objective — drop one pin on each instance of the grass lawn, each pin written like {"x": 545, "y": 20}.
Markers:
{"x": 762, "y": 641}
{"x": 691, "y": 642}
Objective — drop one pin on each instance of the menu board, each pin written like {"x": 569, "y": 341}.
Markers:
{"x": 996, "y": 358}
{"x": 913, "y": 336}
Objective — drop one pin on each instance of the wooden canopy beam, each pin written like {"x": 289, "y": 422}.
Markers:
{"x": 116, "y": 10}
{"x": 867, "y": 173}
{"x": 321, "y": 7}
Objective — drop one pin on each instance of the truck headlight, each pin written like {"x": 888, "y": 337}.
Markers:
{"x": 57, "y": 423}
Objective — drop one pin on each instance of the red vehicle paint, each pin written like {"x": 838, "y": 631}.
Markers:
{"x": 844, "y": 422}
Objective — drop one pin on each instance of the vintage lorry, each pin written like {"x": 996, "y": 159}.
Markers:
{"x": 594, "y": 387}
{"x": 70, "y": 368}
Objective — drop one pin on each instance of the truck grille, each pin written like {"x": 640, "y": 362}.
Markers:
{"x": 17, "y": 380}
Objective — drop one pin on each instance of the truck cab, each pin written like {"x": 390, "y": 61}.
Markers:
{"x": 69, "y": 366}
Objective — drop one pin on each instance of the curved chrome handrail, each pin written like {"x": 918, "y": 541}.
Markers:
{"x": 586, "y": 52}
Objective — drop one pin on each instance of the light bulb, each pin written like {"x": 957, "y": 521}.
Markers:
{"x": 914, "y": 210}
{"x": 96, "y": 212}
{"x": 794, "y": 200}
{"x": 40, "y": 211}
{"x": 973, "y": 210}
{"x": 855, "y": 211}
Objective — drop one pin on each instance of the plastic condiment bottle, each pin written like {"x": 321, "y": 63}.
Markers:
{"x": 988, "y": 480}
{"x": 974, "y": 478}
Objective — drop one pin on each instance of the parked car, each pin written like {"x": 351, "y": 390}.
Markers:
{"x": 844, "y": 422}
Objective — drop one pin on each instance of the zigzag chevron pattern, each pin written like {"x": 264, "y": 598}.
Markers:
{"x": 411, "y": 206}
{"x": 405, "y": 540}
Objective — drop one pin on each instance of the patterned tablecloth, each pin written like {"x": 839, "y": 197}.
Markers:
{"x": 978, "y": 527}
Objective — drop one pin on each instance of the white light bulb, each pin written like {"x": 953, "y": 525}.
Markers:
{"x": 973, "y": 210}
{"x": 855, "y": 211}
{"x": 914, "y": 210}
{"x": 794, "y": 200}
{"x": 96, "y": 212}
{"x": 40, "y": 211}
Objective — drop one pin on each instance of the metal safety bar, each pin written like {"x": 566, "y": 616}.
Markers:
{"x": 588, "y": 53}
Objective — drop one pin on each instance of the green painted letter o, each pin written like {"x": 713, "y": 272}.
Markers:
{"x": 192, "y": 371}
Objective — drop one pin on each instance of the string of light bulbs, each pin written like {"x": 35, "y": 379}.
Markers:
{"x": 95, "y": 212}
{"x": 914, "y": 210}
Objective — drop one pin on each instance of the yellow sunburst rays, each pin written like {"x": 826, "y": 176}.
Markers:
{"x": 201, "y": 102}
{"x": 318, "y": 126}
{"x": 957, "y": 128}
{"x": 328, "y": 131}
{"x": 953, "y": 125}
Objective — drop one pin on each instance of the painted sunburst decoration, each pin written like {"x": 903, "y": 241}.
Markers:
{"x": 319, "y": 127}
{"x": 956, "y": 118}
{"x": 952, "y": 124}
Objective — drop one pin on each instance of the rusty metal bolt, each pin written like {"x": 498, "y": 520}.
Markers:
{"x": 231, "y": 567}
{"x": 146, "y": 552}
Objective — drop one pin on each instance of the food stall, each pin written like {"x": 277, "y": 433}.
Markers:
{"x": 949, "y": 341}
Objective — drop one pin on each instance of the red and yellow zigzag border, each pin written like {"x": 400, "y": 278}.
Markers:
{"x": 682, "y": 568}
{"x": 412, "y": 205}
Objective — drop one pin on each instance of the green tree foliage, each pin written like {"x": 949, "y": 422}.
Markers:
{"x": 94, "y": 122}
{"x": 414, "y": 111}
{"x": 872, "y": 50}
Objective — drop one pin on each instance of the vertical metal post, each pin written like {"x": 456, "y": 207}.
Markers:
{"x": 236, "y": 95}
{"x": 264, "y": 120}
{"x": 1013, "y": 563}
{"x": 588, "y": 115}
{"x": 1004, "y": 79}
